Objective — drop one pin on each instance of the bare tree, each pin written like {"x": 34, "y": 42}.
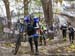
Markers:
{"x": 26, "y": 2}
{"x": 6, "y": 2}
{"x": 47, "y": 8}
{"x": 48, "y": 14}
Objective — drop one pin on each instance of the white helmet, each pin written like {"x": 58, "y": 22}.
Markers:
{"x": 64, "y": 25}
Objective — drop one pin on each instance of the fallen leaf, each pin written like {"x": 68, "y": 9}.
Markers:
{"x": 58, "y": 50}
{"x": 68, "y": 51}
{"x": 73, "y": 50}
{"x": 72, "y": 46}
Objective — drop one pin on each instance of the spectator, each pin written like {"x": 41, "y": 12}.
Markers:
{"x": 64, "y": 30}
{"x": 71, "y": 33}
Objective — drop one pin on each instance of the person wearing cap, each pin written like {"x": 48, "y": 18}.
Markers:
{"x": 36, "y": 35}
{"x": 64, "y": 31}
{"x": 21, "y": 28}
{"x": 32, "y": 36}
{"x": 71, "y": 33}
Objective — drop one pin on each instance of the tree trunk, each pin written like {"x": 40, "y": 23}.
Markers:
{"x": 25, "y": 7}
{"x": 48, "y": 14}
{"x": 6, "y": 2}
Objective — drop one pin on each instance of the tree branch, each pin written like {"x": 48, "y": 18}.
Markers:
{"x": 27, "y": 2}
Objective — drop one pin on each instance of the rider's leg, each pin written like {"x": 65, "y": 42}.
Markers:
{"x": 31, "y": 44}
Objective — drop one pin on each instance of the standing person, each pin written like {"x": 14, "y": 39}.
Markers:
{"x": 20, "y": 27}
{"x": 36, "y": 35}
{"x": 43, "y": 33}
{"x": 32, "y": 33}
{"x": 71, "y": 33}
{"x": 64, "y": 31}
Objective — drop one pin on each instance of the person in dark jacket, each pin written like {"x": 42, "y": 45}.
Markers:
{"x": 64, "y": 31}
{"x": 31, "y": 31}
{"x": 71, "y": 33}
{"x": 21, "y": 28}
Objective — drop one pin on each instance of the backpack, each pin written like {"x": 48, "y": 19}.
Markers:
{"x": 30, "y": 29}
{"x": 71, "y": 30}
